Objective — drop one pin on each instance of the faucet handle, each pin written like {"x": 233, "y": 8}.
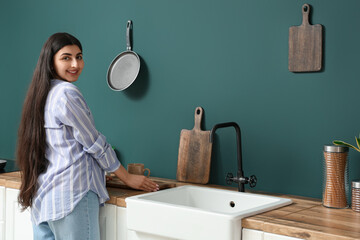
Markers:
{"x": 252, "y": 181}
{"x": 229, "y": 178}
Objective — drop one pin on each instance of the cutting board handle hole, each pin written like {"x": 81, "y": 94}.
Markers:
{"x": 305, "y": 8}
{"x": 232, "y": 204}
{"x": 198, "y": 111}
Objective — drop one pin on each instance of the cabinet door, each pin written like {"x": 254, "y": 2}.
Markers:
{"x": 2, "y": 213}
{"x": 250, "y": 234}
{"x": 121, "y": 223}
{"x": 271, "y": 236}
{"x": 108, "y": 222}
{"x": 18, "y": 224}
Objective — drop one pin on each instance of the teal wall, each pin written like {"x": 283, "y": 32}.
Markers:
{"x": 228, "y": 56}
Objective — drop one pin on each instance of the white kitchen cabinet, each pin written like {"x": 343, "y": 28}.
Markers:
{"x": 18, "y": 224}
{"x": 271, "y": 236}
{"x": 250, "y": 234}
{"x": 2, "y": 213}
{"x": 135, "y": 235}
{"x": 113, "y": 223}
{"x": 107, "y": 220}
{"x": 121, "y": 223}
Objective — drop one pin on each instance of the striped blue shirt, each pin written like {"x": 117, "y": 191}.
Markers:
{"x": 78, "y": 155}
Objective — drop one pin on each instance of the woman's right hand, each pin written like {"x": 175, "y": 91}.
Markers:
{"x": 139, "y": 182}
{"x": 142, "y": 183}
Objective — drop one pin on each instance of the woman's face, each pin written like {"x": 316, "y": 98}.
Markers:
{"x": 68, "y": 63}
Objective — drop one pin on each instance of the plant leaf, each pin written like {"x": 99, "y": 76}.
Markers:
{"x": 357, "y": 142}
{"x": 338, "y": 142}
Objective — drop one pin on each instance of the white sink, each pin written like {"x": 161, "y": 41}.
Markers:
{"x": 192, "y": 212}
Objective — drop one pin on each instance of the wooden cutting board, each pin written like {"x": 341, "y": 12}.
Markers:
{"x": 305, "y": 45}
{"x": 194, "y": 153}
{"x": 117, "y": 183}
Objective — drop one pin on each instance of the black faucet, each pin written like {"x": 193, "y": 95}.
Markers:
{"x": 239, "y": 179}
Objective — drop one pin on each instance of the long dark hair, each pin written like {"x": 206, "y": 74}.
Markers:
{"x": 31, "y": 145}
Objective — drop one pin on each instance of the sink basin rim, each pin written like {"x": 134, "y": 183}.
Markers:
{"x": 150, "y": 216}
{"x": 279, "y": 201}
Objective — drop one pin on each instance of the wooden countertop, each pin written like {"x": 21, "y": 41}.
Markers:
{"x": 10, "y": 180}
{"x": 305, "y": 218}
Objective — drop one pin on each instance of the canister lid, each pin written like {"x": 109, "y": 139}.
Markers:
{"x": 336, "y": 148}
{"x": 356, "y": 183}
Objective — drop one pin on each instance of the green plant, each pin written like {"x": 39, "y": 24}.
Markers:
{"x": 338, "y": 142}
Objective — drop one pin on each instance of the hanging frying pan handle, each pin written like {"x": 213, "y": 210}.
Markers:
{"x": 128, "y": 43}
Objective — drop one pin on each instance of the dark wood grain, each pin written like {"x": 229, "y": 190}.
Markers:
{"x": 194, "y": 153}
{"x": 305, "y": 45}
{"x": 117, "y": 183}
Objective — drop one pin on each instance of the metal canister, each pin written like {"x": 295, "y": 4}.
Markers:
{"x": 355, "y": 196}
{"x": 336, "y": 185}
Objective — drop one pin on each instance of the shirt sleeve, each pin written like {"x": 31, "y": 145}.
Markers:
{"x": 72, "y": 111}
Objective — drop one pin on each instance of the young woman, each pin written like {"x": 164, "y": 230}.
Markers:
{"x": 61, "y": 155}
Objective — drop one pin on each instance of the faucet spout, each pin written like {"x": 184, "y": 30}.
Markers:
{"x": 238, "y": 141}
{"x": 239, "y": 179}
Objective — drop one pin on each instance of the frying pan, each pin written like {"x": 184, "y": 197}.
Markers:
{"x": 125, "y": 67}
{"x": 2, "y": 163}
